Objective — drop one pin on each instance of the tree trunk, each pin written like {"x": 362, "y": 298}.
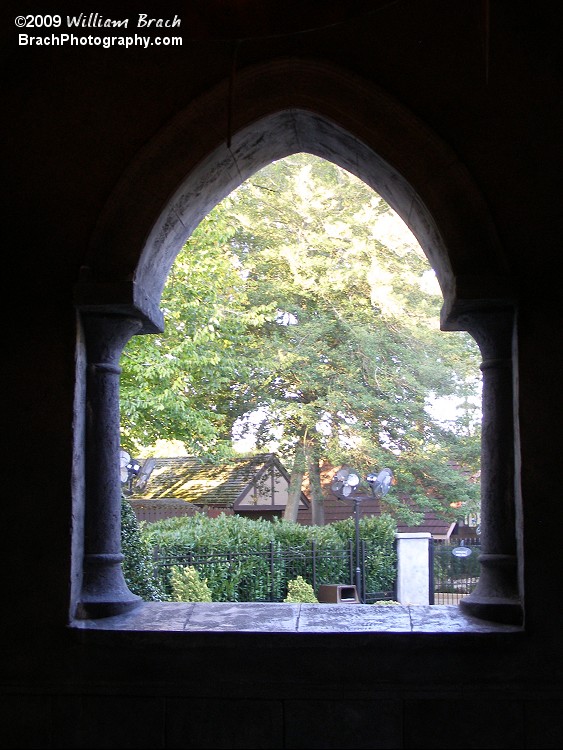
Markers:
{"x": 295, "y": 484}
{"x": 317, "y": 497}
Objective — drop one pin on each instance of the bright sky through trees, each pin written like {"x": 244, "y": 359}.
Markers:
{"x": 303, "y": 316}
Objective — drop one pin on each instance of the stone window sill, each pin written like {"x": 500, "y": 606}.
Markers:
{"x": 282, "y": 618}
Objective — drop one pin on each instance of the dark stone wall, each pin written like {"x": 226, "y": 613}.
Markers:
{"x": 74, "y": 121}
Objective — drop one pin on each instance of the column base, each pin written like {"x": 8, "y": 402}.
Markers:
{"x": 496, "y": 595}
{"x": 95, "y": 610}
{"x": 494, "y": 609}
{"x": 105, "y": 592}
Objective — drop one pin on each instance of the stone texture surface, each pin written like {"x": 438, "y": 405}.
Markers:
{"x": 457, "y": 117}
{"x": 232, "y": 617}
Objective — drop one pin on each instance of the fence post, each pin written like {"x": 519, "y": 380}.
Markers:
{"x": 155, "y": 563}
{"x": 413, "y": 568}
{"x": 395, "y": 595}
{"x": 431, "y": 582}
{"x": 272, "y": 571}
{"x": 314, "y": 556}
{"x": 362, "y": 594}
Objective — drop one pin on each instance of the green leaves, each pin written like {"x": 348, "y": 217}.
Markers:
{"x": 242, "y": 559}
{"x": 187, "y": 585}
{"x": 298, "y": 590}
{"x": 178, "y": 385}
{"x": 138, "y": 569}
{"x": 302, "y": 294}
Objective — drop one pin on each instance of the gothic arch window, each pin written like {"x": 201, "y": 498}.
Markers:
{"x": 335, "y": 116}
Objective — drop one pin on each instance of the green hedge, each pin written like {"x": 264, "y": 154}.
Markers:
{"x": 234, "y": 553}
{"x": 138, "y": 568}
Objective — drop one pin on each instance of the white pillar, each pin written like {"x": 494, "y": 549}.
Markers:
{"x": 413, "y": 573}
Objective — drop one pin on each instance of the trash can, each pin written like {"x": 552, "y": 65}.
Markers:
{"x": 336, "y": 593}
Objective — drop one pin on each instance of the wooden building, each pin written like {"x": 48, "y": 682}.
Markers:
{"x": 255, "y": 487}
{"x": 111, "y": 156}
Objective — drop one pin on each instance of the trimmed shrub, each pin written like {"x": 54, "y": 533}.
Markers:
{"x": 137, "y": 565}
{"x": 187, "y": 585}
{"x": 298, "y": 590}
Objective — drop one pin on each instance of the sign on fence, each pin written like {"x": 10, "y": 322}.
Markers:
{"x": 461, "y": 551}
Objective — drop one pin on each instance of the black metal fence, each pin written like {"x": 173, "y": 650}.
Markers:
{"x": 263, "y": 576}
{"x": 455, "y": 570}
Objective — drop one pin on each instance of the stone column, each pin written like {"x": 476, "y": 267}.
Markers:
{"x": 104, "y": 590}
{"x": 496, "y": 596}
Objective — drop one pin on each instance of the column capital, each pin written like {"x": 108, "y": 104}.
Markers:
{"x": 492, "y": 329}
{"x": 124, "y": 298}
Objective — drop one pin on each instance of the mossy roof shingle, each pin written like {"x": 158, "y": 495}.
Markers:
{"x": 192, "y": 480}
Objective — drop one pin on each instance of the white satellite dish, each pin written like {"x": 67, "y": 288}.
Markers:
{"x": 345, "y": 482}
{"x": 144, "y": 473}
{"x": 124, "y": 459}
{"x": 380, "y": 483}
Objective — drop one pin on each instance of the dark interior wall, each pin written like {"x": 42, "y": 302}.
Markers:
{"x": 488, "y": 85}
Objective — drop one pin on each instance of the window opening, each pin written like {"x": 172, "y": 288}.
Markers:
{"x": 118, "y": 298}
{"x": 302, "y": 319}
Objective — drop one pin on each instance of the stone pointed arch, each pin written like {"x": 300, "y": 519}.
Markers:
{"x": 266, "y": 113}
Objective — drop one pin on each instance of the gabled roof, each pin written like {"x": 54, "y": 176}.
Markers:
{"x": 207, "y": 484}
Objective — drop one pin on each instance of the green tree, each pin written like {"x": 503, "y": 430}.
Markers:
{"x": 296, "y": 299}
{"x": 345, "y": 368}
{"x": 187, "y": 383}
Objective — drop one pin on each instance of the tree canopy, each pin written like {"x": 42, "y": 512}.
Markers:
{"x": 302, "y": 301}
